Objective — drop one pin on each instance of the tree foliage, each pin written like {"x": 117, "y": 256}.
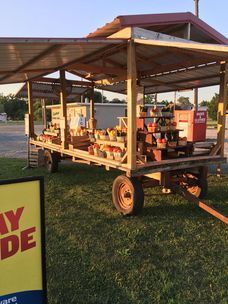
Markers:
{"x": 213, "y": 107}
{"x": 13, "y": 107}
{"x": 184, "y": 101}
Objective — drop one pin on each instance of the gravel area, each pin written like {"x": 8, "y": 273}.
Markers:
{"x": 13, "y": 142}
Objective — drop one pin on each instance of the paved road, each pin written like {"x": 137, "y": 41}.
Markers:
{"x": 13, "y": 140}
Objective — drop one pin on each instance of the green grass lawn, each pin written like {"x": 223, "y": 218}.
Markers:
{"x": 173, "y": 253}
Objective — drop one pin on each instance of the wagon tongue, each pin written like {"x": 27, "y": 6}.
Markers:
{"x": 192, "y": 198}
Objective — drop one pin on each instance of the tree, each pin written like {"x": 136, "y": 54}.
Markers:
{"x": 97, "y": 96}
{"x": 213, "y": 107}
{"x": 14, "y": 107}
{"x": 117, "y": 100}
{"x": 204, "y": 103}
{"x": 149, "y": 99}
{"x": 184, "y": 101}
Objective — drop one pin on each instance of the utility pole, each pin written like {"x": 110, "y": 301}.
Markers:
{"x": 196, "y": 97}
{"x": 197, "y": 8}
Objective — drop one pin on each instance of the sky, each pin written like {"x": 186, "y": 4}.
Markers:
{"x": 77, "y": 18}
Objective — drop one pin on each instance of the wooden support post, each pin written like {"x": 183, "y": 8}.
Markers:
{"x": 196, "y": 98}
{"x": 30, "y": 109}
{"x": 44, "y": 113}
{"x": 63, "y": 115}
{"x": 222, "y": 105}
{"x": 92, "y": 120}
{"x": 92, "y": 104}
{"x": 131, "y": 105}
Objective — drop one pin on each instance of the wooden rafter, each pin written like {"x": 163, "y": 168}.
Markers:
{"x": 96, "y": 69}
{"x": 55, "y": 80}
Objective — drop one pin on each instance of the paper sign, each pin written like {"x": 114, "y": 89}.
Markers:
{"x": 22, "y": 278}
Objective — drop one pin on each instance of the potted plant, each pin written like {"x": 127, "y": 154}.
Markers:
{"x": 121, "y": 136}
{"x": 163, "y": 126}
{"x": 172, "y": 139}
{"x": 118, "y": 153}
{"x": 112, "y": 134}
{"x": 143, "y": 111}
{"x": 104, "y": 135}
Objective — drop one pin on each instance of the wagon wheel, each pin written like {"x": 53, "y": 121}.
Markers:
{"x": 127, "y": 195}
{"x": 195, "y": 185}
{"x": 51, "y": 161}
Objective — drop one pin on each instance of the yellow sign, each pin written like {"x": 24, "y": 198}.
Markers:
{"x": 22, "y": 279}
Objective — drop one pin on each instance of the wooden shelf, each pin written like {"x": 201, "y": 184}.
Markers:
{"x": 173, "y": 148}
{"x": 111, "y": 143}
{"x": 168, "y": 131}
{"x": 51, "y": 133}
{"x": 166, "y": 117}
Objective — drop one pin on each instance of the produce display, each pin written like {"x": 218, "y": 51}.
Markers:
{"x": 159, "y": 133}
{"x": 106, "y": 151}
{"x": 162, "y": 126}
{"x": 161, "y": 143}
{"x": 111, "y": 134}
{"x": 182, "y": 141}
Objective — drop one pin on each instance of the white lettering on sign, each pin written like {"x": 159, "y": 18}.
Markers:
{"x": 9, "y": 300}
{"x": 200, "y": 117}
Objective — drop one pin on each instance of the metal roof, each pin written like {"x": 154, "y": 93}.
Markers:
{"x": 22, "y": 59}
{"x": 171, "y": 23}
{"x": 51, "y": 91}
{"x": 104, "y": 61}
{"x": 177, "y": 80}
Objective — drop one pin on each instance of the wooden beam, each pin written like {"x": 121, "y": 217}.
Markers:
{"x": 111, "y": 80}
{"x": 131, "y": 105}
{"x": 197, "y": 47}
{"x": 92, "y": 120}
{"x": 222, "y": 105}
{"x": 30, "y": 110}
{"x": 96, "y": 69}
{"x": 55, "y": 80}
{"x": 92, "y": 104}
{"x": 44, "y": 113}
{"x": 63, "y": 117}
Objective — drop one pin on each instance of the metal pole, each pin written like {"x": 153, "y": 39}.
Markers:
{"x": 196, "y": 97}
{"x": 197, "y": 8}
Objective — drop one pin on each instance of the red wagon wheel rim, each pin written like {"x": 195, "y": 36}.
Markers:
{"x": 125, "y": 196}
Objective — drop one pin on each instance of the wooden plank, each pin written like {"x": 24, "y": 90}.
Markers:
{"x": 63, "y": 110}
{"x": 54, "y": 80}
{"x": 82, "y": 155}
{"x": 30, "y": 109}
{"x": 222, "y": 105}
{"x": 111, "y": 143}
{"x": 191, "y": 198}
{"x": 177, "y": 164}
{"x": 96, "y": 69}
{"x": 131, "y": 105}
{"x": 196, "y": 46}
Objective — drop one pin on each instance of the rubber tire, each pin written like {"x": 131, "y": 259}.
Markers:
{"x": 137, "y": 193}
{"x": 51, "y": 161}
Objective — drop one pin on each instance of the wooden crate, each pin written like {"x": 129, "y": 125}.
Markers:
{"x": 79, "y": 142}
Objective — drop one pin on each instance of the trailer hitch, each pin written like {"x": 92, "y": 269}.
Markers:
{"x": 192, "y": 198}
